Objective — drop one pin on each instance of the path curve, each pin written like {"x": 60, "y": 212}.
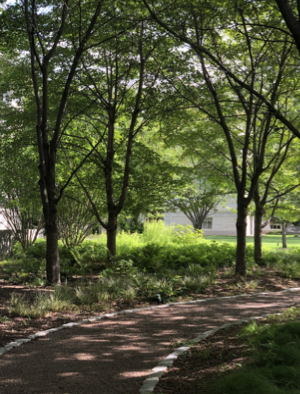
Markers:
{"x": 115, "y": 355}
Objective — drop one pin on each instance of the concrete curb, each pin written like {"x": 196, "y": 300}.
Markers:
{"x": 151, "y": 381}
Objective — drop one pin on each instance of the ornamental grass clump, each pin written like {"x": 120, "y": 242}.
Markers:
{"x": 39, "y": 306}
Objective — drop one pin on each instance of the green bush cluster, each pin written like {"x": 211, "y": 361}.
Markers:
{"x": 130, "y": 226}
{"x": 161, "y": 247}
{"x": 76, "y": 260}
{"x": 288, "y": 261}
{"x": 158, "y": 249}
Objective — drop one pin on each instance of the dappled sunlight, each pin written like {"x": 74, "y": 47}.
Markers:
{"x": 84, "y": 356}
{"x": 127, "y": 348}
{"x": 11, "y": 381}
{"x": 165, "y": 332}
{"x": 69, "y": 374}
{"x": 93, "y": 339}
{"x": 177, "y": 318}
{"x": 132, "y": 374}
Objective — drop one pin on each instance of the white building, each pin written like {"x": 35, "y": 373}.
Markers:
{"x": 221, "y": 222}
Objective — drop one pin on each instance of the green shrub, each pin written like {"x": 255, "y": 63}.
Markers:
{"x": 130, "y": 225}
{"x": 276, "y": 366}
{"x": 158, "y": 250}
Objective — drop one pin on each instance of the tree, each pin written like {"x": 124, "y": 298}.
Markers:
{"x": 196, "y": 204}
{"x": 200, "y": 192}
{"x": 58, "y": 36}
{"x": 20, "y": 201}
{"x": 261, "y": 18}
{"x": 233, "y": 57}
{"x": 286, "y": 211}
{"x": 280, "y": 179}
{"x": 288, "y": 9}
{"x": 76, "y": 220}
{"x": 121, "y": 84}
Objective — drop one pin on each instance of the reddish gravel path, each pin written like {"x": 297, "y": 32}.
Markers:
{"x": 114, "y": 356}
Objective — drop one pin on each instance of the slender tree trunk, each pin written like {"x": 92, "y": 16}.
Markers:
{"x": 52, "y": 254}
{"x": 241, "y": 226}
{"x": 284, "y": 245}
{"x": 197, "y": 225}
{"x": 50, "y": 216}
{"x": 111, "y": 236}
{"x": 259, "y": 212}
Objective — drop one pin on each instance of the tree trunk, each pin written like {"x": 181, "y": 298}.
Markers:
{"x": 241, "y": 226}
{"x": 111, "y": 236}
{"x": 197, "y": 225}
{"x": 50, "y": 216}
{"x": 259, "y": 211}
{"x": 52, "y": 254}
{"x": 284, "y": 245}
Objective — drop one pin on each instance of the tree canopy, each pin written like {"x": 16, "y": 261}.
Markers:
{"x": 133, "y": 106}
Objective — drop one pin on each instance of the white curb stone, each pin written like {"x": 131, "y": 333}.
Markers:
{"x": 13, "y": 344}
{"x": 70, "y": 325}
{"x": 23, "y": 340}
{"x": 41, "y": 334}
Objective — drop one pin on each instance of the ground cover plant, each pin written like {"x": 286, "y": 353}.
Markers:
{"x": 160, "y": 249}
{"x": 261, "y": 357}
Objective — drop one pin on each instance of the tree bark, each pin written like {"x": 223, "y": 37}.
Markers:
{"x": 259, "y": 212}
{"x": 284, "y": 245}
{"x": 241, "y": 226}
{"x": 49, "y": 200}
{"x": 291, "y": 20}
{"x": 52, "y": 254}
{"x": 111, "y": 231}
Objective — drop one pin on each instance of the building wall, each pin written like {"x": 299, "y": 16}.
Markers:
{"x": 3, "y": 223}
{"x": 223, "y": 221}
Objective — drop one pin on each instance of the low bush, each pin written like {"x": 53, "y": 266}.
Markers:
{"x": 276, "y": 362}
{"x": 158, "y": 249}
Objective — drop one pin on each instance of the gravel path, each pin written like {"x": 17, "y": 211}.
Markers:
{"x": 115, "y": 355}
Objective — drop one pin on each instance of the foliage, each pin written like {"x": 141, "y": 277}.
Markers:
{"x": 201, "y": 188}
{"x": 75, "y": 221}
{"x": 276, "y": 361}
{"x": 131, "y": 225}
{"x": 19, "y": 197}
{"x": 163, "y": 250}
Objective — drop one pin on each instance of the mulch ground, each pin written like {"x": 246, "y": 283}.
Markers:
{"x": 208, "y": 361}
{"x": 195, "y": 371}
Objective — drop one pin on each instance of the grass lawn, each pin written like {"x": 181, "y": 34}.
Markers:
{"x": 268, "y": 241}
